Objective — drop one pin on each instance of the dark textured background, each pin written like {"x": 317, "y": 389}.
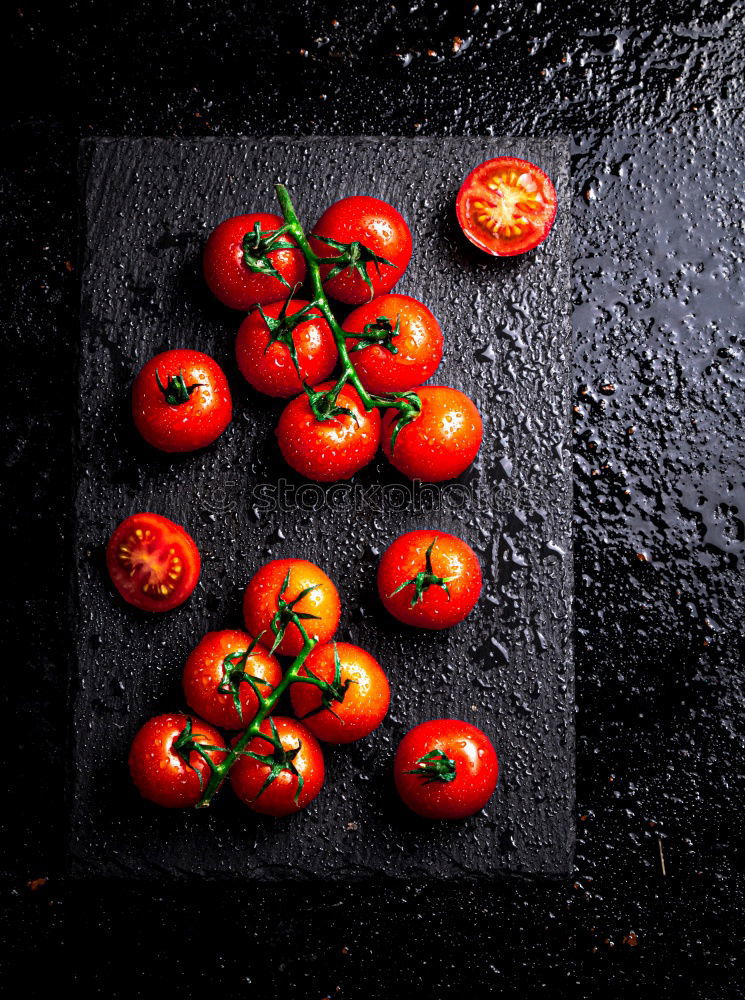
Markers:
{"x": 652, "y": 96}
{"x": 507, "y": 328}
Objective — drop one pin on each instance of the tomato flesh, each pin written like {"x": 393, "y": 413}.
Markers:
{"x": 153, "y": 562}
{"x": 506, "y": 206}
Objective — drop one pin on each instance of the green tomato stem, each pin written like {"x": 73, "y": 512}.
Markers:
{"x": 218, "y": 772}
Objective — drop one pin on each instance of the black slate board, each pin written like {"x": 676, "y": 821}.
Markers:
{"x": 149, "y": 205}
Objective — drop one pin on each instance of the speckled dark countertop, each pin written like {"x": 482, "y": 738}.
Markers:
{"x": 651, "y": 96}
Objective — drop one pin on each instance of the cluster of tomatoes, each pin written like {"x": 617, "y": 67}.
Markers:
{"x": 288, "y": 347}
{"x": 430, "y": 579}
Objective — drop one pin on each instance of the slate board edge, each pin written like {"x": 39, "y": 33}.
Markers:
{"x": 77, "y": 864}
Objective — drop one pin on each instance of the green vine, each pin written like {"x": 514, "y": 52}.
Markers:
{"x": 279, "y": 759}
{"x": 357, "y": 257}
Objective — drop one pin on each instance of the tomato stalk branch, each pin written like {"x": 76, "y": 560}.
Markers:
{"x": 408, "y": 403}
{"x": 267, "y": 702}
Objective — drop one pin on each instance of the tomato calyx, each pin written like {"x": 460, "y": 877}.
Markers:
{"x": 282, "y": 328}
{"x": 354, "y": 256}
{"x": 424, "y": 579}
{"x": 185, "y": 744}
{"x": 434, "y": 766}
{"x": 176, "y": 391}
{"x": 277, "y": 761}
{"x": 234, "y": 674}
{"x": 331, "y": 691}
{"x": 258, "y": 244}
{"x": 323, "y": 404}
{"x": 380, "y": 333}
{"x": 286, "y": 614}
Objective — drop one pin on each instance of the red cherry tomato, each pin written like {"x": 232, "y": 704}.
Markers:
{"x": 165, "y": 767}
{"x": 299, "y": 765}
{"x": 241, "y": 268}
{"x": 368, "y": 227}
{"x": 285, "y": 580}
{"x": 413, "y": 332}
{"x": 429, "y": 579}
{"x": 153, "y": 562}
{"x": 442, "y": 440}
{"x": 213, "y": 684}
{"x": 181, "y": 401}
{"x": 263, "y": 354}
{"x": 506, "y": 206}
{"x": 330, "y": 449}
{"x": 445, "y": 769}
{"x": 358, "y": 702}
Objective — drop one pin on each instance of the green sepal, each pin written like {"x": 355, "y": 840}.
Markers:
{"x": 425, "y": 578}
{"x": 176, "y": 391}
{"x": 434, "y": 766}
{"x": 257, "y": 245}
{"x": 379, "y": 333}
{"x": 353, "y": 256}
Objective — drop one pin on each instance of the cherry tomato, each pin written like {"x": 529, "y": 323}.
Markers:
{"x": 241, "y": 267}
{"x": 181, "y": 401}
{"x": 362, "y": 229}
{"x": 359, "y": 700}
{"x": 297, "y": 583}
{"x": 333, "y": 448}
{"x": 412, "y": 331}
{"x": 153, "y": 562}
{"x": 506, "y": 206}
{"x": 442, "y": 440}
{"x": 445, "y": 769}
{"x": 213, "y": 684}
{"x": 163, "y": 764}
{"x": 262, "y": 348}
{"x": 429, "y": 578}
{"x": 301, "y": 757}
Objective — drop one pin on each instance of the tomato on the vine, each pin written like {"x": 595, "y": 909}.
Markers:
{"x": 445, "y": 769}
{"x": 358, "y": 699}
{"x": 164, "y": 765}
{"x": 335, "y": 447}
{"x": 181, "y": 401}
{"x": 246, "y": 262}
{"x": 373, "y": 245}
{"x": 268, "y": 338}
{"x": 430, "y": 579}
{"x": 506, "y": 206}
{"x": 285, "y": 585}
{"x": 294, "y": 777}
{"x": 215, "y": 678}
{"x": 153, "y": 562}
{"x": 441, "y": 441}
{"x": 404, "y": 343}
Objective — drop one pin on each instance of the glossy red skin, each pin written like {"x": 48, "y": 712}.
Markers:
{"x": 162, "y": 775}
{"x": 419, "y": 344}
{"x": 332, "y": 449}
{"x": 278, "y": 799}
{"x": 269, "y": 368}
{"x": 406, "y": 557}
{"x": 260, "y": 603}
{"x": 165, "y": 547}
{"x": 365, "y": 702}
{"x": 231, "y": 281}
{"x": 476, "y": 769}
{"x": 185, "y": 426}
{"x": 379, "y": 227}
{"x": 204, "y": 673}
{"x": 541, "y": 216}
{"x": 441, "y": 442}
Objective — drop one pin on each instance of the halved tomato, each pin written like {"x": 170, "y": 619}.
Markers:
{"x": 506, "y": 206}
{"x": 153, "y": 562}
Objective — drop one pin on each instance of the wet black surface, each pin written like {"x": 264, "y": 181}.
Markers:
{"x": 651, "y": 96}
